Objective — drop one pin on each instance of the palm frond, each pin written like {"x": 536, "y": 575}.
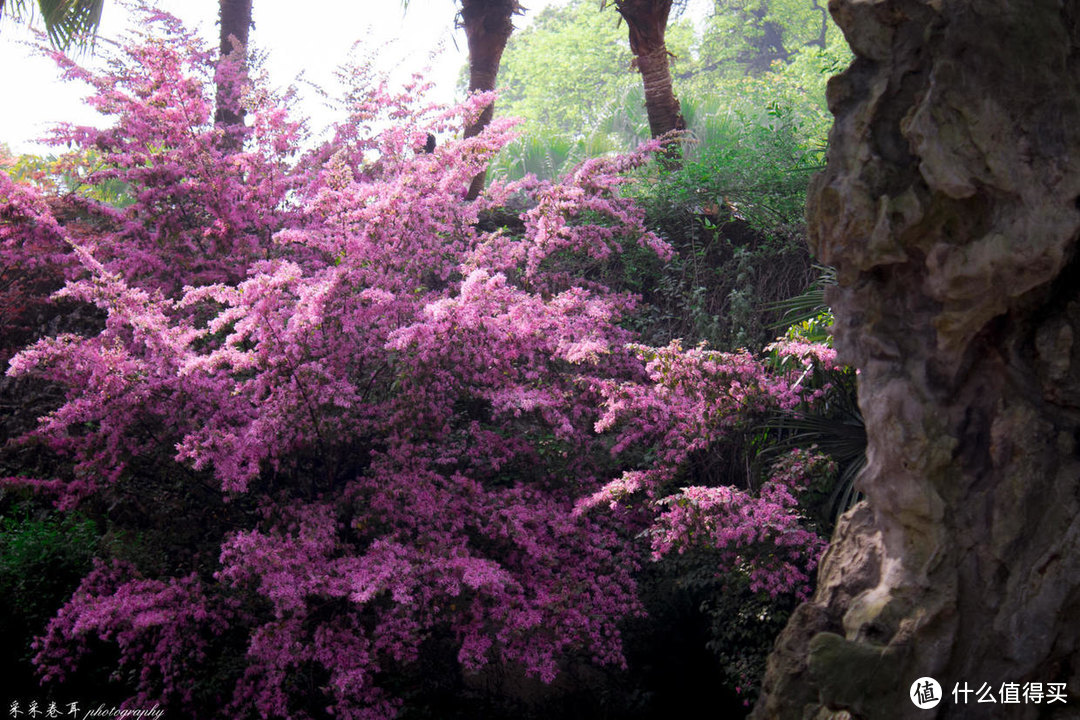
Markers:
{"x": 807, "y": 305}
{"x": 546, "y": 157}
{"x": 67, "y": 22}
{"x": 837, "y": 431}
{"x": 622, "y": 118}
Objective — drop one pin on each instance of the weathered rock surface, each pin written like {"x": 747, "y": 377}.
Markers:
{"x": 950, "y": 207}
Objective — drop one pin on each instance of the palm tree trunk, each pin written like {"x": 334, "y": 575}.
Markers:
{"x": 488, "y": 27}
{"x": 647, "y": 23}
{"x": 661, "y": 104}
{"x": 235, "y": 18}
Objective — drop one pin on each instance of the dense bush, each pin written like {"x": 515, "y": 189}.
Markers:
{"x": 363, "y": 450}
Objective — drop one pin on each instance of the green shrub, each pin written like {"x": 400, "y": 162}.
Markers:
{"x": 43, "y": 557}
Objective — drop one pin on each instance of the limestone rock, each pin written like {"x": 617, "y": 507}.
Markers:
{"x": 950, "y": 207}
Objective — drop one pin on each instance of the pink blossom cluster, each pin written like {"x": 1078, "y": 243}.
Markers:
{"x": 691, "y": 399}
{"x": 201, "y": 212}
{"x": 33, "y": 257}
{"x": 164, "y": 629}
{"x": 757, "y": 535}
{"x": 806, "y": 353}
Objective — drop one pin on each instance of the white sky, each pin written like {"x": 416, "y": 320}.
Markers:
{"x": 312, "y": 37}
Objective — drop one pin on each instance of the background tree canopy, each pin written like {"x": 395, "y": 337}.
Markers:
{"x": 568, "y": 75}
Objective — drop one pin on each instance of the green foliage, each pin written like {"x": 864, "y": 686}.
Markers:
{"x": 565, "y": 72}
{"x": 547, "y": 157}
{"x": 43, "y": 556}
{"x": 745, "y": 37}
{"x": 29, "y": 539}
{"x": 806, "y": 315}
{"x": 733, "y": 210}
{"x": 68, "y": 174}
{"x": 742, "y": 628}
{"x": 560, "y": 72}
{"x": 750, "y": 165}
{"x": 569, "y": 73}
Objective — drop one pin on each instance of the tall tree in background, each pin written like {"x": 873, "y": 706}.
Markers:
{"x": 647, "y": 23}
{"x": 67, "y": 22}
{"x": 235, "y": 20}
{"x": 488, "y": 25}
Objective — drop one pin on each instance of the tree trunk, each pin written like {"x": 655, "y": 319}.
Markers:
{"x": 235, "y": 17}
{"x": 647, "y": 21}
{"x": 949, "y": 207}
{"x": 488, "y": 25}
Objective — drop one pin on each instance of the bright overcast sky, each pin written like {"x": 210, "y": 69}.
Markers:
{"x": 312, "y": 37}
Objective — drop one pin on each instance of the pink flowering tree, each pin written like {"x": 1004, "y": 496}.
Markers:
{"x": 388, "y": 428}
{"x": 398, "y": 404}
